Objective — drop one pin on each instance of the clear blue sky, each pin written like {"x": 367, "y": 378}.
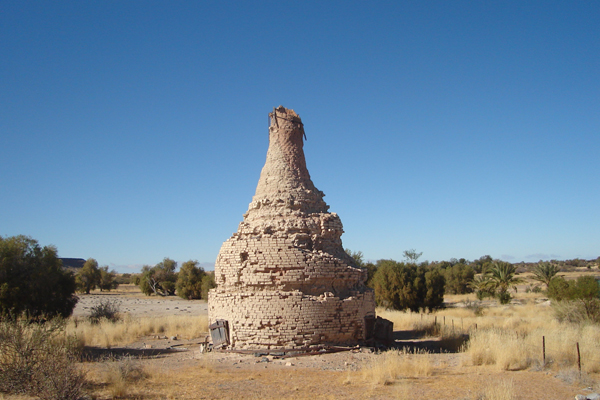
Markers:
{"x": 131, "y": 131}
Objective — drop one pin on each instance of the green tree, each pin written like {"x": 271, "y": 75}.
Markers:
{"x": 88, "y": 277}
{"x": 159, "y": 279}
{"x": 403, "y": 286}
{"x": 357, "y": 256}
{"x": 208, "y": 282}
{"x": 189, "y": 280}
{"x": 359, "y": 260}
{"x": 482, "y": 286}
{"x": 411, "y": 256}
{"x": 502, "y": 278}
{"x": 544, "y": 272}
{"x": 482, "y": 264}
{"x": 431, "y": 296}
{"x": 108, "y": 280}
{"x": 33, "y": 281}
{"x": 458, "y": 277}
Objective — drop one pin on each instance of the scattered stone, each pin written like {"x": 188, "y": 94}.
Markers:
{"x": 288, "y": 364}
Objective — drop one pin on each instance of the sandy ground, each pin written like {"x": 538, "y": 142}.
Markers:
{"x": 136, "y": 304}
{"x": 193, "y": 374}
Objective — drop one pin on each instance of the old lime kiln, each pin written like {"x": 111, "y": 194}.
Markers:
{"x": 283, "y": 279}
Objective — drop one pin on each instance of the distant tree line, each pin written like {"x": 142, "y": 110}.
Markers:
{"x": 191, "y": 282}
{"x": 412, "y": 285}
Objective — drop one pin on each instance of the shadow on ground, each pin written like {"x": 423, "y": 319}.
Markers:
{"x": 99, "y": 353}
{"x": 416, "y": 341}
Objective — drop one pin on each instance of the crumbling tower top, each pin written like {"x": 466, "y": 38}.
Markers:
{"x": 284, "y": 181}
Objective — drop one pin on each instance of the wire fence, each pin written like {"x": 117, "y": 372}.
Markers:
{"x": 569, "y": 345}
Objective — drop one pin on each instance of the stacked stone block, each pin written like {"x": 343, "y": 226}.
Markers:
{"x": 283, "y": 279}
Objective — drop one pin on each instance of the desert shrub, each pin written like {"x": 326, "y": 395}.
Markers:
{"x": 208, "y": 282}
{"x": 458, "y": 277}
{"x": 39, "y": 359}
{"x": 121, "y": 373}
{"x": 108, "y": 280}
{"x": 558, "y": 289}
{"x": 189, "y": 281}
{"x": 88, "y": 277}
{"x": 577, "y": 311}
{"x": 33, "y": 281}
{"x": 389, "y": 366}
{"x": 160, "y": 279}
{"x": 575, "y": 301}
{"x": 401, "y": 286}
{"x": 106, "y": 309}
{"x": 124, "y": 279}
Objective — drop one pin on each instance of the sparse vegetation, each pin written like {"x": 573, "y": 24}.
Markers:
{"x": 107, "y": 310}
{"x": 128, "y": 329}
{"x": 544, "y": 272}
{"x": 189, "y": 281}
{"x": 39, "y": 359}
{"x": 32, "y": 280}
{"x": 400, "y": 286}
{"x": 160, "y": 279}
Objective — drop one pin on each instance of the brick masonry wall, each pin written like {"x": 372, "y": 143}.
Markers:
{"x": 284, "y": 320}
{"x": 284, "y": 279}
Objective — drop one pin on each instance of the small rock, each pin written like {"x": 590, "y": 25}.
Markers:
{"x": 147, "y": 346}
{"x": 288, "y": 364}
{"x": 173, "y": 337}
{"x": 593, "y": 396}
{"x": 580, "y": 397}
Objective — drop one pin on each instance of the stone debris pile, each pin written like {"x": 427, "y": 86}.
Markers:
{"x": 284, "y": 279}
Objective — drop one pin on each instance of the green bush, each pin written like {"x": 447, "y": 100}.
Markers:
{"x": 208, "y": 282}
{"x": 458, "y": 277}
{"x": 584, "y": 287}
{"x": 160, "y": 279}
{"x": 576, "y": 300}
{"x": 189, "y": 281}
{"x": 33, "y": 281}
{"x": 88, "y": 277}
{"x": 106, "y": 309}
{"x": 401, "y": 286}
{"x": 108, "y": 280}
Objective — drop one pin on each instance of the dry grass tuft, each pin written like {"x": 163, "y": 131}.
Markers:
{"x": 514, "y": 350}
{"x": 120, "y": 374}
{"x": 386, "y": 368}
{"x": 503, "y": 390}
{"x": 128, "y": 329}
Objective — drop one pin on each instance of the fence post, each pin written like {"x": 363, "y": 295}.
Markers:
{"x": 544, "y": 349}
{"x": 579, "y": 360}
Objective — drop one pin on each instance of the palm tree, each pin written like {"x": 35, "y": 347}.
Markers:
{"x": 502, "y": 277}
{"x": 544, "y": 272}
{"x": 481, "y": 285}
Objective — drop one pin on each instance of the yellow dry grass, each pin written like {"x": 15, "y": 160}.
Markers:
{"x": 388, "y": 367}
{"x": 503, "y": 390}
{"x": 510, "y": 337}
{"x": 129, "y": 329}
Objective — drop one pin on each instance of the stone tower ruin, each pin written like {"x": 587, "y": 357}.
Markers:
{"x": 283, "y": 279}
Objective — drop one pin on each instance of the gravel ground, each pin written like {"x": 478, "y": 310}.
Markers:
{"x": 138, "y": 306}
